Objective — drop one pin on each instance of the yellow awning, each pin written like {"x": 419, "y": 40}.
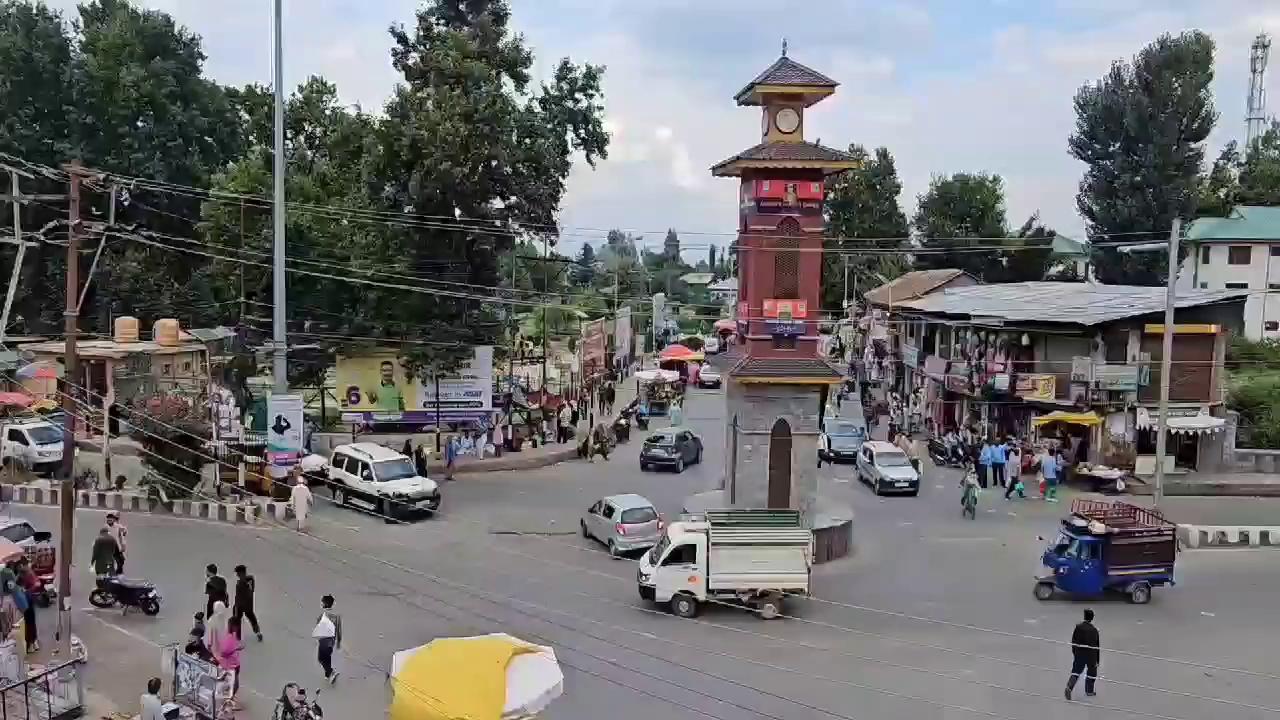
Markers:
{"x": 455, "y": 679}
{"x": 1075, "y": 418}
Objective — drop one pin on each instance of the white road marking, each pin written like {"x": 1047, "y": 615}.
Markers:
{"x": 1207, "y": 614}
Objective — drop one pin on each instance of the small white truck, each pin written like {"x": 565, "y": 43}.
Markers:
{"x": 30, "y": 442}
{"x": 750, "y": 557}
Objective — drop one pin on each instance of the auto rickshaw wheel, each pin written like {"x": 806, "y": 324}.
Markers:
{"x": 1140, "y": 593}
{"x": 1044, "y": 591}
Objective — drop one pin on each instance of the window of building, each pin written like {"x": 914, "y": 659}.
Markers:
{"x": 784, "y": 343}
{"x": 1239, "y": 255}
{"x": 1204, "y": 286}
{"x": 1204, "y": 255}
{"x": 1236, "y": 286}
{"x": 1275, "y": 251}
{"x": 166, "y": 368}
{"x": 815, "y": 187}
{"x": 1272, "y": 325}
{"x": 186, "y": 366}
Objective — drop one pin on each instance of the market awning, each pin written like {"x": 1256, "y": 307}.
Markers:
{"x": 677, "y": 353}
{"x": 726, "y": 325}
{"x": 1201, "y": 422}
{"x": 1074, "y": 418}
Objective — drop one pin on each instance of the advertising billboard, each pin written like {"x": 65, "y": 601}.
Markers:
{"x": 284, "y": 429}
{"x": 622, "y": 333}
{"x": 593, "y": 348}
{"x": 376, "y": 387}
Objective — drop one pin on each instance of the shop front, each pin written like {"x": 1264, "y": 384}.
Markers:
{"x": 1195, "y": 436}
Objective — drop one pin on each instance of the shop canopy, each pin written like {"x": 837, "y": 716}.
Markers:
{"x": 16, "y": 399}
{"x": 666, "y": 376}
{"x": 1073, "y": 418}
{"x": 726, "y": 325}
{"x": 1201, "y": 422}
{"x": 488, "y": 677}
{"x": 679, "y": 353}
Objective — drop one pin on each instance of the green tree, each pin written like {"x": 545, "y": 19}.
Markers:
{"x": 1243, "y": 180}
{"x": 862, "y": 213}
{"x": 965, "y": 210}
{"x": 585, "y": 272}
{"x": 671, "y": 245}
{"x": 1028, "y": 256}
{"x": 1140, "y": 129}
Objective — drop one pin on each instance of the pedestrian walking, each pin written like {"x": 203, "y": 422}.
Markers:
{"x": 1014, "y": 469}
{"x": 420, "y": 461}
{"x": 218, "y": 625}
{"x": 246, "y": 585}
{"x": 328, "y": 635}
{"x": 105, "y": 554}
{"x": 1085, "y": 654}
{"x": 984, "y": 464}
{"x": 1049, "y": 467}
{"x": 407, "y": 450}
{"x": 228, "y": 657}
{"x": 215, "y": 590}
{"x": 118, "y": 531}
{"x": 301, "y": 500}
{"x": 451, "y": 456}
{"x": 27, "y": 582}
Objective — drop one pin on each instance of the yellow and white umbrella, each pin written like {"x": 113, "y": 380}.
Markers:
{"x": 486, "y": 677}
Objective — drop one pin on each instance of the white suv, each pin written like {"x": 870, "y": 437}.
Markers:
{"x": 376, "y": 478}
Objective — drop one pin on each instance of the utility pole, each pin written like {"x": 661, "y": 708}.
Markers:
{"x": 845, "y": 306}
{"x": 511, "y": 353}
{"x": 280, "y": 356}
{"x": 108, "y": 401}
{"x": 67, "y": 494}
{"x": 545, "y": 329}
{"x": 1166, "y": 360}
{"x": 21, "y": 251}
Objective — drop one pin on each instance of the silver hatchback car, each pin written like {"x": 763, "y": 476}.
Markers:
{"x": 623, "y": 523}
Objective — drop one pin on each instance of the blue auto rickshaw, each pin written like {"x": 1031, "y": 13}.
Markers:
{"x": 1109, "y": 547}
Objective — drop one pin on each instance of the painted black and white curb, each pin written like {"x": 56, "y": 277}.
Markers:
{"x": 1198, "y": 536}
{"x": 260, "y": 512}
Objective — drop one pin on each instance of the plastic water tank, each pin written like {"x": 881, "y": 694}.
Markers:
{"x": 165, "y": 332}
{"x": 126, "y": 329}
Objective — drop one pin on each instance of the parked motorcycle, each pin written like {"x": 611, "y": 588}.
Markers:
{"x": 942, "y": 456}
{"x": 115, "y": 590}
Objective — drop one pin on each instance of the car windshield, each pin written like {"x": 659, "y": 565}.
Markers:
{"x": 661, "y": 439}
{"x": 44, "y": 435}
{"x": 398, "y": 469}
{"x": 843, "y": 428}
{"x": 845, "y": 442}
{"x": 635, "y": 516}
{"x": 658, "y": 549}
{"x": 892, "y": 459}
{"x": 18, "y": 533}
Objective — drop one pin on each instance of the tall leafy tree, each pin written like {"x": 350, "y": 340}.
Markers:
{"x": 1027, "y": 256}
{"x": 964, "y": 210}
{"x": 1239, "y": 179}
{"x": 671, "y": 245}
{"x": 862, "y": 213}
{"x": 585, "y": 271}
{"x": 467, "y": 135}
{"x": 1140, "y": 129}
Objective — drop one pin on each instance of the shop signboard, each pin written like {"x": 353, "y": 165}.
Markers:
{"x": 783, "y": 328}
{"x": 1117, "y": 378}
{"x": 622, "y": 333}
{"x": 785, "y": 309}
{"x": 935, "y": 367}
{"x": 910, "y": 356}
{"x": 1036, "y": 387}
{"x": 376, "y": 387}
{"x": 1081, "y": 369}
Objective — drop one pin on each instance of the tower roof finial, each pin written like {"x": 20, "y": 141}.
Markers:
{"x": 784, "y": 47}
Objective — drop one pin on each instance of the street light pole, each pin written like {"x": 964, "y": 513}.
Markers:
{"x": 1166, "y": 360}
{"x": 279, "y": 361}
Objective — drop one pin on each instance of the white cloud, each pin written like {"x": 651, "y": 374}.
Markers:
{"x": 662, "y": 133}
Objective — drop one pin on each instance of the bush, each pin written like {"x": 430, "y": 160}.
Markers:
{"x": 173, "y": 432}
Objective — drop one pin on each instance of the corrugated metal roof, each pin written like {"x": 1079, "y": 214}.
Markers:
{"x": 1060, "y": 302}
{"x": 795, "y": 368}
{"x": 911, "y": 286}
{"x": 1245, "y": 222}
{"x": 785, "y": 71}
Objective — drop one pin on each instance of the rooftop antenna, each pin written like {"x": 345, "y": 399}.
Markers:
{"x": 1256, "y": 112}
{"x": 784, "y": 49}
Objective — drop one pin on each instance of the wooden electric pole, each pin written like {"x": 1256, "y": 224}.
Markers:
{"x": 67, "y": 495}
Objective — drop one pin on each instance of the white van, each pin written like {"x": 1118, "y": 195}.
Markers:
{"x": 31, "y": 443}
{"x": 379, "y": 479}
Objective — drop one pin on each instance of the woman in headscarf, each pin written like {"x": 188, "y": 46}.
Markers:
{"x": 217, "y": 627}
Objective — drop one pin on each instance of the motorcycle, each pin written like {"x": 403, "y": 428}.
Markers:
{"x": 943, "y": 456}
{"x": 126, "y": 592}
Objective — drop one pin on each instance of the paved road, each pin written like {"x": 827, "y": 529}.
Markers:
{"x": 505, "y": 555}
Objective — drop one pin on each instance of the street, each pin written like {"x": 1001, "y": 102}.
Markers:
{"x": 505, "y": 555}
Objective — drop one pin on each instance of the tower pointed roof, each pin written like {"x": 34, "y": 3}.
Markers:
{"x": 787, "y": 76}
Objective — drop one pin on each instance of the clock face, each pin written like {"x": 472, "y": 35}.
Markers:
{"x": 787, "y": 120}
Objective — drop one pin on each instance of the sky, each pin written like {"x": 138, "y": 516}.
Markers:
{"x": 947, "y": 85}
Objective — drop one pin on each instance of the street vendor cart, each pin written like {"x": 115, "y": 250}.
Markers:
{"x": 657, "y": 389}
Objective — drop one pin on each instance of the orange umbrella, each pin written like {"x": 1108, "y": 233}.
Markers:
{"x": 16, "y": 398}
{"x": 676, "y": 352}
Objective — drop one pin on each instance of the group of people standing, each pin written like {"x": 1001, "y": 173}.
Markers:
{"x": 1004, "y": 462}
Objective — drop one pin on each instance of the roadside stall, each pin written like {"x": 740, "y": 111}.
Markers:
{"x": 1075, "y": 433}
{"x": 656, "y": 390}
{"x": 485, "y": 677}
{"x": 678, "y": 358}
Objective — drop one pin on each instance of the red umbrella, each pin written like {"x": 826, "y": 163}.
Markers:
{"x": 16, "y": 398}
{"x": 675, "y": 352}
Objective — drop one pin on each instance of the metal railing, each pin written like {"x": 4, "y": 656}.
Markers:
{"x": 55, "y": 693}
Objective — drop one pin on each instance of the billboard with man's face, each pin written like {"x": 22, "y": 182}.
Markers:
{"x": 377, "y": 387}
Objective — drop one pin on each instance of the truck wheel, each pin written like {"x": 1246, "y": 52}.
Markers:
{"x": 685, "y": 606}
{"x": 1140, "y": 593}
{"x": 770, "y": 607}
{"x": 1044, "y": 591}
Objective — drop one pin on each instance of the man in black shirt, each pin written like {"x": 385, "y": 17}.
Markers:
{"x": 1085, "y": 653}
{"x": 215, "y": 589}
{"x": 243, "y": 607}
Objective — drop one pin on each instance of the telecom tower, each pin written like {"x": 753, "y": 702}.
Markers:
{"x": 1256, "y": 114}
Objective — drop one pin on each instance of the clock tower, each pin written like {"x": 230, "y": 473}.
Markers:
{"x": 777, "y": 382}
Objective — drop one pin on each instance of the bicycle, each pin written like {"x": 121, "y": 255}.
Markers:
{"x": 969, "y": 495}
